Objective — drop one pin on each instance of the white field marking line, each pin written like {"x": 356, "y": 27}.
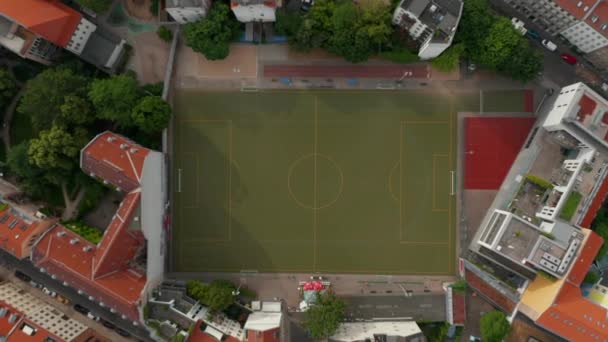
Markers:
{"x": 452, "y": 173}
{"x": 179, "y": 180}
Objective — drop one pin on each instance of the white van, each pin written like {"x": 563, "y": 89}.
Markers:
{"x": 549, "y": 45}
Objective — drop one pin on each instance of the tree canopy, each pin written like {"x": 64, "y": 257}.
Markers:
{"x": 344, "y": 28}
{"x": 324, "y": 317}
{"x": 494, "y": 326}
{"x": 492, "y": 42}
{"x": 8, "y": 88}
{"x": 212, "y": 35}
{"x": 98, "y": 6}
{"x": 114, "y": 98}
{"x": 46, "y": 93}
{"x": 57, "y": 149}
{"x": 449, "y": 59}
{"x": 151, "y": 114}
{"x": 217, "y": 296}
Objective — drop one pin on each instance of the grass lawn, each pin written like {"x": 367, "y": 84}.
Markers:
{"x": 570, "y": 206}
{"x": 88, "y": 233}
{"x": 348, "y": 182}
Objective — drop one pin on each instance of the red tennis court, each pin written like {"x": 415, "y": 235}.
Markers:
{"x": 491, "y": 145}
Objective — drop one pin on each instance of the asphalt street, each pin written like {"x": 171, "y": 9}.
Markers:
{"x": 555, "y": 69}
{"x": 428, "y": 307}
{"x": 11, "y": 263}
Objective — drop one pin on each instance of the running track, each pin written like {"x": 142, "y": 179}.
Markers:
{"x": 348, "y": 71}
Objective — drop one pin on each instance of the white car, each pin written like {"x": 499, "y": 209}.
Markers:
{"x": 549, "y": 45}
{"x": 519, "y": 26}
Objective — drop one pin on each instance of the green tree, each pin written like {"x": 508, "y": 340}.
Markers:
{"x": 376, "y": 22}
{"x": 601, "y": 228}
{"x": 151, "y": 114}
{"x": 499, "y": 44}
{"x": 98, "y": 6}
{"x": 8, "y": 88}
{"x": 75, "y": 110}
{"x": 56, "y": 151}
{"x": 474, "y": 25}
{"x": 523, "y": 64}
{"x": 449, "y": 59}
{"x": 164, "y": 33}
{"x": 211, "y": 36}
{"x": 494, "y": 326}
{"x": 217, "y": 296}
{"x": 31, "y": 178}
{"x": 46, "y": 93}
{"x": 114, "y": 98}
{"x": 323, "y": 319}
{"x": 288, "y": 22}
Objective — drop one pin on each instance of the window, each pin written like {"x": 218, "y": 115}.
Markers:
{"x": 594, "y": 18}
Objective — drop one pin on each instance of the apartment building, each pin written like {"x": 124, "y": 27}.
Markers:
{"x": 187, "y": 11}
{"x": 431, "y": 23}
{"x": 537, "y": 228}
{"x": 40, "y": 29}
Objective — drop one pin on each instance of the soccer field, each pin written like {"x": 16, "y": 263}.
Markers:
{"x": 334, "y": 182}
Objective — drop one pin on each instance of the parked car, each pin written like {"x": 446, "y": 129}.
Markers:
{"x": 306, "y": 5}
{"x": 22, "y": 276}
{"x": 122, "y": 332}
{"x": 549, "y": 45}
{"x": 81, "y": 309}
{"x": 62, "y": 299}
{"x": 107, "y": 324}
{"x": 569, "y": 59}
{"x": 518, "y": 25}
{"x": 533, "y": 34}
{"x": 93, "y": 317}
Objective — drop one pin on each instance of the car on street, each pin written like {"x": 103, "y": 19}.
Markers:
{"x": 22, "y": 276}
{"x": 549, "y": 45}
{"x": 533, "y": 34}
{"x": 518, "y": 25}
{"x": 107, "y": 324}
{"x": 122, "y": 332}
{"x": 81, "y": 309}
{"x": 569, "y": 58}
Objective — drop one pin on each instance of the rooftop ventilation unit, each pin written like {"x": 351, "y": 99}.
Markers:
{"x": 123, "y": 146}
{"x": 87, "y": 248}
{"x": 73, "y": 241}
{"x": 136, "y": 219}
{"x": 133, "y": 150}
{"x": 60, "y": 233}
{"x": 433, "y": 8}
{"x": 111, "y": 139}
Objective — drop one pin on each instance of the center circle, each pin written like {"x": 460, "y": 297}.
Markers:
{"x": 315, "y": 181}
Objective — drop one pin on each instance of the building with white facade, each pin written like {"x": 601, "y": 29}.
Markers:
{"x": 378, "y": 331}
{"x": 431, "y": 23}
{"x": 39, "y": 29}
{"x": 187, "y": 11}
{"x": 255, "y": 10}
{"x": 546, "y": 13}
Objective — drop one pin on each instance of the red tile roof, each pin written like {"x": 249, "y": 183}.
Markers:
{"x": 572, "y": 7}
{"x": 41, "y": 335}
{"x": 5, "y": 325}
{"x": 585, "y": 258}
{"x": 118, "y": 245}
{"x": 70, "y": 262}
{"x": 489, "y": 292}
{"x": 587, "y": 106}
{"x": 271, "y": 335}
{"x": 458, "y": 308}
{"x": 198, "y": 335}
{"x": 50, "y": 19}
{"x": 571, "y": 315}
{"x": 17, "y": 235}
{"x": 115, "y": 159}
{"x": 601, "y": 11}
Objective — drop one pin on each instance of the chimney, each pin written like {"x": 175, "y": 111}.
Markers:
{"x": 73, "y": 241}
{"x": 123, "y": 146}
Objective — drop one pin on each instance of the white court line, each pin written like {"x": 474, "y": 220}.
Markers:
{"x": 452, "y": 193}
{"x": 179, "y": 180}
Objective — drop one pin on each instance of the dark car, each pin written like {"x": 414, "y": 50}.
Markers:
{"x": 122, "y": 332}
{"x": 81, "y": 309}
{"x": 107, "y": 324}
{"x": 569, "y": 59}
{"x": 533, "y": 34}
{"x": 22, "y": 276}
